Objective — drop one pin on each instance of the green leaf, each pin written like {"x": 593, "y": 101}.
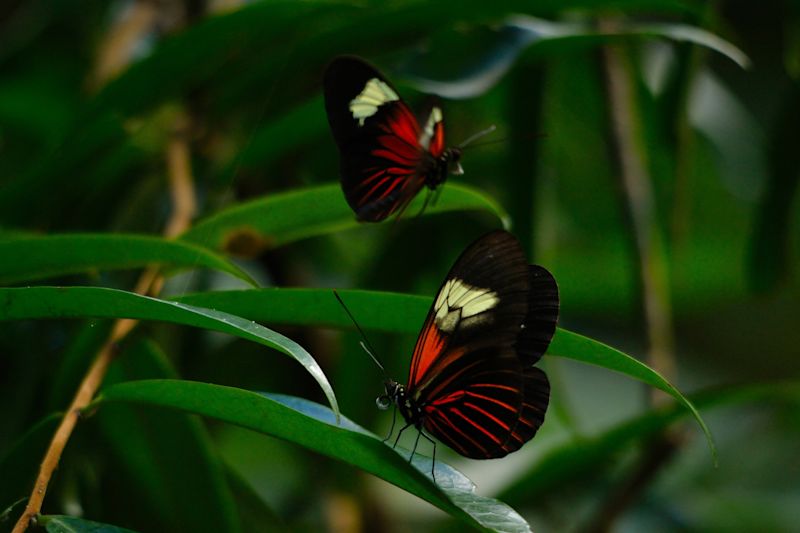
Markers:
{"x": 380, "y": 311}
{"x": 472, "y": 73}
{"x": 166, "y": 457}
{"x": 577, "y": 459}
{"x": 38, "y": 257}
{"x": 575, "y": 346}
{"x": 314, "y": 426}
{"x": 693, "y": 35}
{"x": 405, "y": 313}
{"x": 298, "y": 214}
{"x": 82, "y": 302}
{"x": 71, "y": 524}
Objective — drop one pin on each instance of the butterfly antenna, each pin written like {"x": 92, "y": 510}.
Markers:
{"x": 477, "y": 135}
{"x": 365, "y": 344}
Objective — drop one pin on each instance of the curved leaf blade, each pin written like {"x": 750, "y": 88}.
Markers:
{"x": 574, "y": 346}
{"x": 82, "y": 302}
{"x": 298, "y": 214}
{"x": 318, "y": 307}
{"x": 522, "y": 34}
{"x": 72, "y": 524}
{"x": 380, "y": 311}
{"x": 314, "y": 427}
{"x": 46, "y": 256}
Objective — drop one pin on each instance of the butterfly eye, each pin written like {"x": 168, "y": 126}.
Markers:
{"x": 383, "y": 402}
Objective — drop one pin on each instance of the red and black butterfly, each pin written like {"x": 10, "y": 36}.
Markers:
{"x": 472, "y": 383}
{"x": 387, "y": 154}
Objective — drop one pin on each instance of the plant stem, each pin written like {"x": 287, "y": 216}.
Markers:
{"x": 652, "y": 266}
{"x": 150, "y": 282}
{"x": 640, "y": 203}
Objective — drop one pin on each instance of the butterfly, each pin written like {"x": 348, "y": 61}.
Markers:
{"x": 472, "y": 383}
{"x": 386, "y": 154}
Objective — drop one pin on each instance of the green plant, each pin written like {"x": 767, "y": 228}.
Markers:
{"x": 178, "y": 213}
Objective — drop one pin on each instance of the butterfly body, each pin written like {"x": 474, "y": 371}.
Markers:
{"x": 387, "y": 154}
{"x": 472, "y": 383}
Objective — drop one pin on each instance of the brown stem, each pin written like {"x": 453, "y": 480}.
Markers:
{"x": 640, "y": 203}
{"x": 637, "y": 189}
{"x": 114, "y": 52}
{"x": 182, "y": 190}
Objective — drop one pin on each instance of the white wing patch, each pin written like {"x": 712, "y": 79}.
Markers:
{"x": 430, "y": 127}
{"x": 459, "y": 301}
{"x": 375, "y": 93}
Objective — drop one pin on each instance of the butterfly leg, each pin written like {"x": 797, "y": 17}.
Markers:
{"x": 416, "y": 442}
{"x": 433, "y": 462}
{"x": 399, "y": 434}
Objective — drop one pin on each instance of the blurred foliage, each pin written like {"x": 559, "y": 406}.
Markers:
{"x": 92, "y": 97}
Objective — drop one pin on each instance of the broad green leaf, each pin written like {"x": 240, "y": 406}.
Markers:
{"x": 72, "y": 524}
{"x": 31, "y": 258}
{"x": 381, "y": 311}
{"x": 407, "y": 312}
{"x": 290, "y": 216}
{"x": 578, "y": 459}
{"x": 84, "y": 302}
{"x": 314, "y": 426}
{"x": 166, "y": 457}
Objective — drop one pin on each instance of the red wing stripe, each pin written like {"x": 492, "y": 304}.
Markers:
{"x": 454, "y": 376}
{"x": 488, "y": 415}
{"x": 504, "y": 405}
{"x": 495, "y": 386}
{"x": 369, "y": 195}
{"x": 446, "y": 419}
{"x": 437, "y": 430}
{"x": 394, "y": 157}
{"x": 476, "y": 426}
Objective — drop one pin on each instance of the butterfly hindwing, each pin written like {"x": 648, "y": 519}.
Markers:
{"x": 472, "y": 372}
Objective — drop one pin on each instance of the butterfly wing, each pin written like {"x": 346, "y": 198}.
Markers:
{"x": 382, "y": 146}
{"x": 471, "y": 372}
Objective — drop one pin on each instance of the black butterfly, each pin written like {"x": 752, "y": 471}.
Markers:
{"x": 387, "y": 155}
{"x": 472, "y": 383}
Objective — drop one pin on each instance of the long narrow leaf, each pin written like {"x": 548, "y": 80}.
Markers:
{"x": 84, "y": 302}
{"x": 404, "y": 313}
{"x": 29, "y": 258}
{"x": 298, "y": 214}
{"x": 314, "y": 427}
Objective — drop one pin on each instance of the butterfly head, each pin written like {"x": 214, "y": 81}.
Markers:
{"x": 395, "y": 393}
{"x": 453, "y": 158}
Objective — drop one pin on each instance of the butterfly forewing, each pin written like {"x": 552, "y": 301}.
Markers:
{"x": 471, "y": 372}
{"x": 384, "y": 150}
